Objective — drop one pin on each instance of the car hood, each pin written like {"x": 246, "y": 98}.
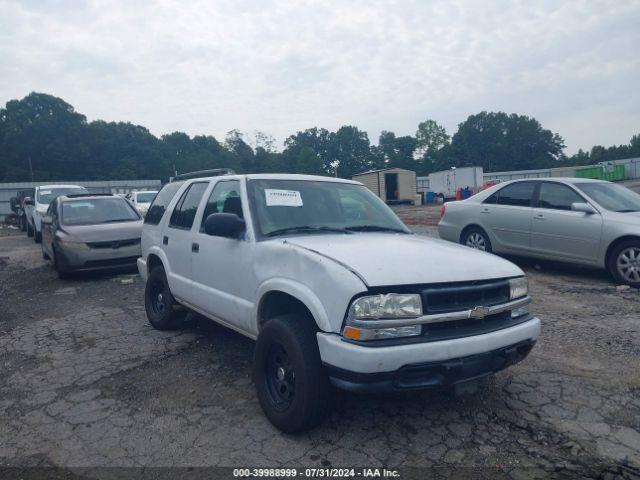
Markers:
{"x": 382, "y": 259}
{"x": 106, "y": 232}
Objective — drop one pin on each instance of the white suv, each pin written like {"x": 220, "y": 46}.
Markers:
{"x": 43, "y": 196}
{"x": 333, "y": 286}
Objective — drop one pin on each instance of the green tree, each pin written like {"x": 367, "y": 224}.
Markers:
{"x": 497, "y": 141}
{"x": 431, "y": 139}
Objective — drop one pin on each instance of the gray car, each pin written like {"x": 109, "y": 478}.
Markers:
{"x": 91, "y": 232}
{"x": 582, "y": 221}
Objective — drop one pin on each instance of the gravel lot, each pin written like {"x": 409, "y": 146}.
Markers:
{"x": 86, "y": 382}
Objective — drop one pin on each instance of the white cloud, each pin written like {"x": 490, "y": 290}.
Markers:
{"x": 208, "y": 67}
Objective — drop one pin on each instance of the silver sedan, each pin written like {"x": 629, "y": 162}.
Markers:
{"x": 582, "y": 221}
{"x": 91, "y": 232}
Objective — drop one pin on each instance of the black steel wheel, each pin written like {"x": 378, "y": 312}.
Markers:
{"x": 158, "y": 301}
{"x": 291, "y": 383}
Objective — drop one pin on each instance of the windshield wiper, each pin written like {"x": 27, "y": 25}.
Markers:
{"x": 306, "y": 229}
{"x": 374, "y": 228}
{"x": 115, "y": 220}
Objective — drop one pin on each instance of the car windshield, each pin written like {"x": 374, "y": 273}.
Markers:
{"x": 145, "y": 197}
{"x": 611, "y": 196}
{"x": 306, "y": 206}
{"x": 47, "y": 195}
{"x": 92, "y": 211}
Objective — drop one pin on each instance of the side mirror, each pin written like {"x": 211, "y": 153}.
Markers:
{"x": 582, "y": 207}
{"x": 227, "y": 225}
{"x": 28, "y": 201}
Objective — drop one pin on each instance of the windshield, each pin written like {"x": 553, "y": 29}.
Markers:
{"x": 145, "y": 197}
{"x": 47, "y": 195}
{"x": 92, "y": 211}
{"x": 302, "y": 206}
{"x": 611, "y": 196}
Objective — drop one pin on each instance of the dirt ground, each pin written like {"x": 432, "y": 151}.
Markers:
{"x": 86, "y": 382}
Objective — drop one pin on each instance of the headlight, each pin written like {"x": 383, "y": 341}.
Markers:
{"x": 375, "y": 307}
{"x": 519, "y": 287}
{"x": 391, "y": 305}
{"x": 72, "y": 245}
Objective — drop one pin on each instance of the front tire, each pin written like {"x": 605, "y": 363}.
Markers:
{"x": 477, "y": 238}
{"x": 37, "y": 236}
{"x": 29, "y": 229}
{"x": 292, "y": 385}
{"x": 23, "y": 224}
{"x": 624, "y": 263}
{"x": 62, "y": 273}
{"x": 158, "y": 301}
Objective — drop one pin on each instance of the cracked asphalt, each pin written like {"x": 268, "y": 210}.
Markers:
{"x": 86, "y": 382}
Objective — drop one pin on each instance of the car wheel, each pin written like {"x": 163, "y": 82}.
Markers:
{"x": 29, "y": 230}
{"x": 62, "y": 273}
{"x": 23, "y": 224}
{"x": 45, "y": 255}
{"x": 624, "y": 263}
{"x": 476, "y": 238}
{"x": 292, "y": 385}
{"x": 37, "y": 236}
{"x": 158, "y": 301}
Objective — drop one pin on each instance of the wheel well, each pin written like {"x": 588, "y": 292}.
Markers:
{"x": 467, "y": 228}
{"x": 153, "y": 261}
{"x": 277, "y": 303}
{"x": 615, "y": 243}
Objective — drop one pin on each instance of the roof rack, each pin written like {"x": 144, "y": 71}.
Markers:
{"x": 216, "y": 172}
{"x": 80, "y": 195}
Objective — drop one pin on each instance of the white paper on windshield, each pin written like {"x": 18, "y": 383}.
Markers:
{"x": 45, "y": 192}
{"x": 282, "y": 198}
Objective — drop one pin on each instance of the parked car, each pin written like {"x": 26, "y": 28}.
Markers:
{"x": 334, "y": 288}
{"x": 142, "y": 200}
{"x": 18, "y": 207}
{"x": 43, "y": 196}
{"x": 582, "y": 221}
{"x": 82, "y": 232}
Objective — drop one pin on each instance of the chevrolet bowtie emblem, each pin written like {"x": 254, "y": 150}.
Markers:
{"x": 478, "y": 312}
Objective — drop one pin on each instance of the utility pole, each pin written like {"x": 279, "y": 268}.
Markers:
{"x": 30, "y": 167}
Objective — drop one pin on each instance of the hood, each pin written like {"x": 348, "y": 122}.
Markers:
{"x": 107, "y": 232}
{"x": 382, "y": 259}
{"x": 629, "y": 218}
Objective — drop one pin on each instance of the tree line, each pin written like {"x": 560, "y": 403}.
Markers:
{"x": 43, "y": 138}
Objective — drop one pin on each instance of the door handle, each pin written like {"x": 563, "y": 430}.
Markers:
{"x": 165, "y": 240}
{"x": 539, "y": 217}
{"x": 485, "y": 210}
{"x": 195, "y": 247}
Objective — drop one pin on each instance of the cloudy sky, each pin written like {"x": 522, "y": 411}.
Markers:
{"x": 206, "y": 67}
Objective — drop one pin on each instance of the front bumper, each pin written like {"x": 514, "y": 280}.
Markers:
{"x": 97, "y": 259}
{"x": 358, "y": 367}
{"x": 432, "y": 374}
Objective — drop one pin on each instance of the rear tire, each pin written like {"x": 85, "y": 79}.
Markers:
{"x": 292, "y": 385}
{"x": 624, "y": 263}
{"x": 476, "y": 237}
{"x": 158, "y": 301}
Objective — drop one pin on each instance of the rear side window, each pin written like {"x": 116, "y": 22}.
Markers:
{"x": 517, "y": 194}
{"x": 557, "y": 197}
{"x": 159, "y": 205}
{"x": 185, "y": 210}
